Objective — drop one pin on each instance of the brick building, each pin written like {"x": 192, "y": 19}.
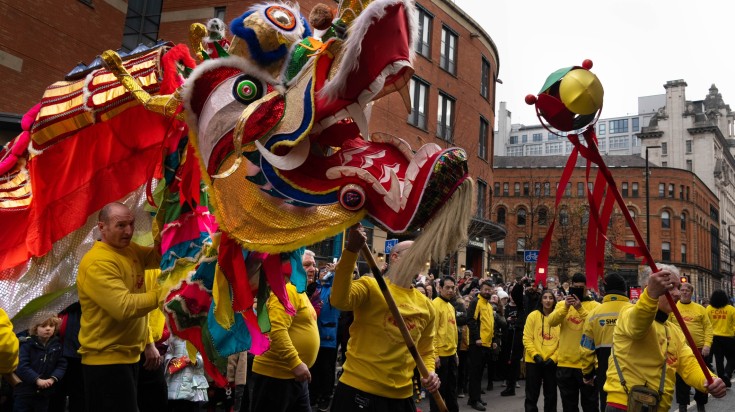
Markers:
{"x": 683, "y": 218}
{"x": 453, "y": 90}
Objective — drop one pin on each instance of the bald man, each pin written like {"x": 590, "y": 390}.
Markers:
{"x": 377, "y": 377}
{"x": 115, "y": 305}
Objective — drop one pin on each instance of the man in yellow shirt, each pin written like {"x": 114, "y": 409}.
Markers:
{"x": 645, "y": 342}
{"x": 696, "y": 319}
{"x": 570, "y": 315}
{"x": 445, "y": 344}
{"x": 115, "y": 302}
{"x": 481, "y": 323}
{"x": 281, "y": 375}
{"x": 8, "y": 345}
{"x": 377, "y": 376}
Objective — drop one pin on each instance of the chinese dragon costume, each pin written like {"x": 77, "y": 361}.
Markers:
{"x": 234, "y": 159}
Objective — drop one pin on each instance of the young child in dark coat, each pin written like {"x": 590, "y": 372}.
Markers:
{"x": 40, "y": 367}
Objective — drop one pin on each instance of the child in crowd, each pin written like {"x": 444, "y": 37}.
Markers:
{"x": 187, "y": 385}
{"x": 40, "y": 366}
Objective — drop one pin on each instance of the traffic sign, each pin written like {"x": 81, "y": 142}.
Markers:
{"x": 389, "y": 244}
{"x": 530, "y": 256}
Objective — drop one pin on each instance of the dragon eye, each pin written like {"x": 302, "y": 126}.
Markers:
{"x": 247, "y": 89}
{"x": 281, "y": 17}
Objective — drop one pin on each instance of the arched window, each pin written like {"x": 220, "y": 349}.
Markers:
{"x": 564, "y": 217}
{"x": 665, "y": 220}
{"x": 683, "y": 222}
{"x": 543, "y": 216}
{"x": 632, "y": 216}
{"x": 521, "y": 216}
{"x": 501, "y": 215}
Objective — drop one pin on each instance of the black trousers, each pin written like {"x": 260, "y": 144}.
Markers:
{"x": 322, "y": 375}
{"x": 279, "y": 395}
{"x": 349, "y": 399}
{"x": 572, "y": 388}
{"x": 447, "y": 373}
{"x": 478, "y": 358}
{"x": 682, "y": 393}
{"x": 603, "y": 358}
{"x": 70, "y": 385}
{"x": 111, "y": 388}
{"x": 463, "y": 370}
{"x": 723, "y": 347}
{"x": 536, "y": 377}
{"x": 152, "y": 388}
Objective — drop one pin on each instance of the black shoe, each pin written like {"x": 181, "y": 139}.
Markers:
{"x": 727, "y": 381}
{"x": 489, "y": 387}
{"x": 510, "y": 391}
{"x": 483, "y": 402}
{"x": 482, "y": 391}
{"x": 477, "y": 406}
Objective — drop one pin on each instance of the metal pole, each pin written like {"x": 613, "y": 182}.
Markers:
{"x": 729, "y": 250}
{"x": 648, "y": 208}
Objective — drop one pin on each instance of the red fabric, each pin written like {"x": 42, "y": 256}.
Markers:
{"x": 232, "y": 264}
{"x": 76, "y": 177}
{"x": 172, "y": 80}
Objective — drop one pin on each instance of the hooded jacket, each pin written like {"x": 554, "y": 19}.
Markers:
{"x": 39, "y": 361}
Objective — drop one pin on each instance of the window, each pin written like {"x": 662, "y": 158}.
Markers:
{"x": 671, "y": 190}
{"x": 547, "y": 189}
{"x": 524, "y": 138}
{"x": 445, "y": 117}
{"x": 513, "y": 140}
{"x": 624, "y": 189}
{"x": 664, "y": 148}
{"x": 516, "y": 189}
{"x": 141, "y": 23}
{"x": 619, "y": 142}
{"x": 683, "y": 222}
{"x": 666, "y": 251}
{"x": 661, "y": 190}
{"x": 580, "y": 189}
{"x": 423, "y": 43}
{"x": 618, "y": 126}
{"x": 554, "y": 148}
{"x": 543, "y": 216}
{"x": 714, "y": 248}
{"x": 496, "y": 189}
{"x": 629, "y": 256}
{"x": 689, "y": 166}
{"x": 534, "y": 150}
{"x": 515, "y": 151}
{"x": 536, "y": 137}
{"x": 601, "y": 144}
{"x": 585, "y": 220}
{"x": 526, "y": 189}
{"x": 419, "y": 91}
{"x": 601, "y": 128}
{"x": 537, "y": 189}
{"x": 482, "y": 147}
{"x": 500, "y": 247}
{"x": 665, "y": 220}
{"x": 501, "y": 215}
{"x": 485, "y": 80}
{"x": 505, "y": 189}
{"x": 564, "y": 217}
{"x": 552, "y": 136}
{"x": 688, "y": 146}
{"x": 683, "y": 253}
{"x": 521, "y": 217}
{"x": 664, "y": 164}
{"x": 681, "y": 192}
{"x": 636, "y": 124}
{"x": 219, "y": 13}
{"x": 632, "y": 217}
{"x": 448, "y": 57}
{"x": 568, "y": 189}
{"x": 520, "y": 245}
{"x": 481, "y": 191}
{"x": 687, "y": 193}
{"x": 634, "y": 188}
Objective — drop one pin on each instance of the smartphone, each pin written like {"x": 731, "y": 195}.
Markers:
{"x": 578, "y": 292}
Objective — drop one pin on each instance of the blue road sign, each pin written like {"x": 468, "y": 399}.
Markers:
{"x": 530, "y": 256}
{"x": 389, "y": 244}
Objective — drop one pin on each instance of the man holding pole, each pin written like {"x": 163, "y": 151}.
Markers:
{"x": 379, "y": 378}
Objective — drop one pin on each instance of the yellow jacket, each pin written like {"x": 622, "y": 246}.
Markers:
{"x": 539, "y": 337}
{"x": 697, "y": 321}
{"x": 599, "y": 327}
{"x": 156, "y": 319}
{"x": 294, "y": 339}
{"x": 723, "y": 320}
{"x": 8, "y": 345}
{"x": 446, "y": 334}
{"x": 382, "y": 364}
{"x": 641, "y": 349}
{"x": 571, "y": 322}
{"x": 114, "y": 300}
{"x": 481, "y": 309}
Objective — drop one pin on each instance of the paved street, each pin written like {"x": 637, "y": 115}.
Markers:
{"x": 495, "y": 402}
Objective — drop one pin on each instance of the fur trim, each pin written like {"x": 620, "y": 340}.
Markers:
{"x": 171, "y": 80}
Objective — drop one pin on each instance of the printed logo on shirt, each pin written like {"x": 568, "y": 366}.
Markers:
{"x": 574, "y": 322}
{"x": 608, "y": 322}
{"x": 413, "y": 323}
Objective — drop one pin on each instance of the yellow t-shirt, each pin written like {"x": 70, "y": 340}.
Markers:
{"x": 381, "y": 363}
{"x": 697, "y": 321}
{"x": 446, "y": 335}
{"x": 723, "y": 320}
{"x": 571, "y": 322}
{"x": 8, "y": 345}
{"x": 539, "y": 337}
{"x": 294, "y": 339}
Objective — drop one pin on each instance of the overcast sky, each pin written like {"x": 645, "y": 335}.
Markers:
{"x": 635, "y": 45}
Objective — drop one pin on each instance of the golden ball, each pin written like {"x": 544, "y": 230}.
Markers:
{"x": 581, "y": 92}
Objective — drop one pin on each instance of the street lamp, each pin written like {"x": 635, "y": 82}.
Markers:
{"x": 648, "y": 201}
